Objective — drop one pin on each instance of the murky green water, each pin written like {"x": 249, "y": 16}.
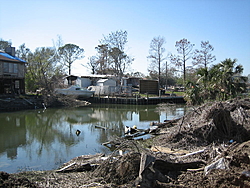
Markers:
{"x": 43, "y": 140}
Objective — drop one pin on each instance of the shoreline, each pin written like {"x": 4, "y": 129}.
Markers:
{"x": 181, "y": 154}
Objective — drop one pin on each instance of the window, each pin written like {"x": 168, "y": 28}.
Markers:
{"x": 6, "y": 67}
{"x": 10, "y": 68}
{"x": 15, "y": 68}
{"x": 17, "y": 85}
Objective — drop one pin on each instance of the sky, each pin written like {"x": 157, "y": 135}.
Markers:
{"x": 38, "y": 23}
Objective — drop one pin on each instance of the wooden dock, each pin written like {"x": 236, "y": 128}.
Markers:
{"x": 137, "y": 101}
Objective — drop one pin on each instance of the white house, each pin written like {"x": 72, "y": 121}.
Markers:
{"x": 105, "y": 87}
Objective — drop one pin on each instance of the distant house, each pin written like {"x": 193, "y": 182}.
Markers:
{"x": 105, "y": 87}
{"x": 12, "y": 73}
{"x": 76, "y": 80}
{"x": 131, "y": 81}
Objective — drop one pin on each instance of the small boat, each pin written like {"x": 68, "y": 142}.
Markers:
{"x": 76, "y": 91}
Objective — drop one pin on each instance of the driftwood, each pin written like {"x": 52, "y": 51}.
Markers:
{"x": 192, "y": 153}
{"x": 82, "y": 163}
{"x": 169, "y": 150}
{"x": 100, "y": 127}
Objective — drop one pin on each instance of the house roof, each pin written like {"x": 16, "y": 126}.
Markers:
{"x": 102, "y": 80}
{"x": 6, "y": 57}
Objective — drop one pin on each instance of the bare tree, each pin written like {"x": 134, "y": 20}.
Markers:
{"x": 156, "y": 55}
{"x": 204, "y": 57}
{"x": 184, "y": 48}
{"x": 116, "y": 39}
{"x": 92, "y": 64}
{"x": 102, "y": 58}
{"x": 116, "y": 59}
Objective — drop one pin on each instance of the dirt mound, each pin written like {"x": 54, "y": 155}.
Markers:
{"x": 211, "y": 123}
{"x": 121, "y": 170}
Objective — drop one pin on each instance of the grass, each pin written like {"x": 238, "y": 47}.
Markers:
{"x": 178, "y": 93}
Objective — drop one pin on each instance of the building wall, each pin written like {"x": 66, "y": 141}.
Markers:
{"x": 12, "y": 78}
{"x": 85, "y": 82}
{"x": 106, "y": 82}
{"x": 149, "y": 86}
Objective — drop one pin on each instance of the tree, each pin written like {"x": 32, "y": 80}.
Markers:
{"x": 204, "y": 57}
{"x": 227, "y": 78}
{"x": 4, "y": 44}
{"x": 22, "y": 52}
{"x": 70, "y": 53}
{"x": 92, "y": 64}
{"x": 116, "y": 39}
{"x": 102, "y": 60}
{"x": 222, "y": 81}
{"x": 41, "y": 68}
{"x": 184, "y": 48}
{"x": 113, "y": 58}
{"x": 136, "y": 74}
{"x": 156, "y": 56}
{"x": 118, "y": 64}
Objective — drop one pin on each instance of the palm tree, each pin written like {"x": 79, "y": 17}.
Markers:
{"x": 224, "y": 78}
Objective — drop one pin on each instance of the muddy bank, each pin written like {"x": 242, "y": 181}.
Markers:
{"x": 10, "y": 103}
{"x": 22, "y": 102}
{"x": 208, "y": 147}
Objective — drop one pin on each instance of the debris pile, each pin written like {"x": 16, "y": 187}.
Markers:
{"x": 211, "y": 123}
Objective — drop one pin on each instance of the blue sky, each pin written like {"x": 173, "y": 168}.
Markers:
{"x": 224, "y": 23}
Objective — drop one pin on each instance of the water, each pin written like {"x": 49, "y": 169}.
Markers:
{"x": 43, "y": 140}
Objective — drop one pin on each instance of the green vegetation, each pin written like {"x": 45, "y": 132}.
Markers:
{"x": 222, "y": 81}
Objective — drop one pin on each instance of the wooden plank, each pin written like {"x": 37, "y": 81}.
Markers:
{"x": 168, "y": 150}
{"x": 146, "y": 160}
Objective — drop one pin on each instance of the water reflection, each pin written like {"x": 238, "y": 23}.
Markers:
{"x": 42, "y": 140}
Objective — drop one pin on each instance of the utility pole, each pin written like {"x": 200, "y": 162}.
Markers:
{"x": 166, "y": 75}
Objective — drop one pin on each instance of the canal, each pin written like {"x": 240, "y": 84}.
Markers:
{"x": 45, "y": 139}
